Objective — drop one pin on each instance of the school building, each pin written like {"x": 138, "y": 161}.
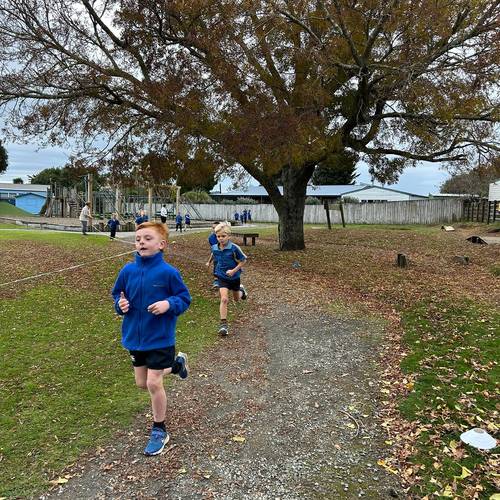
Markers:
{"x": 28, "y": 197}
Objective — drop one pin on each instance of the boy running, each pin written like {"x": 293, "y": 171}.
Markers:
{"x": 150, "y": 295}
{"x": 229, "y": 260}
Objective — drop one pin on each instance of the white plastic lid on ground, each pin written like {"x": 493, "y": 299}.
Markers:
{"x": 479, "y": 438}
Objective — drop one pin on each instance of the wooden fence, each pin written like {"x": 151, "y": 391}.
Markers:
{"x": 433, "y": 211}
{"x": 481, "y": 211}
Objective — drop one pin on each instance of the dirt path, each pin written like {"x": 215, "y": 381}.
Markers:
{"x": 299, "y": 385}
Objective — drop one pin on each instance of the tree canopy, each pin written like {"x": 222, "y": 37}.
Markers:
{"x": 336, "y": 168}
{"x": 71, "y": 175}
{"x": 475, "y": 182}
{"x": 4, "y": 158}
{"x": 272, "y": 86}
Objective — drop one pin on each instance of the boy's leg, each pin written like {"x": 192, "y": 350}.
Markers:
{"x": 159, "y": 435}
{"x": 141, "y": 376}
{"x": 224, "y": 300}
{"x": 157, "y": 393}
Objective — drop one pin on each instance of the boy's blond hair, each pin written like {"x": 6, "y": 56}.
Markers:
{"x": 160, "y": 228}
{"x": 223, "y": 228}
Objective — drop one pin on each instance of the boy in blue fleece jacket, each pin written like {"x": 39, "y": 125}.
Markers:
{"x": 150, "y": 294}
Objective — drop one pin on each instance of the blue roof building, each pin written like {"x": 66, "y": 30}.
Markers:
{"x": 29, "y": 197}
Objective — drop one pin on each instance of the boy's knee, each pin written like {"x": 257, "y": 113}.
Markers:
{"x": 224, "y": 300}
{"x": 154, "y": 385}
{"x": 141, "y": 385}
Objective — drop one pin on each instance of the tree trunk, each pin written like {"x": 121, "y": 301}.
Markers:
{"x": 291, "y": 208}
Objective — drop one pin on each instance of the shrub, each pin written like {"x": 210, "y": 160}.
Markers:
{"x": 349, "y": 199}
{"x": 311, "y": 200}
{"x": 198, "y": 196}
{"x": 246, "y": 201}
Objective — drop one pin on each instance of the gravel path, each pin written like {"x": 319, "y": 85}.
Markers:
{"x": 283, "y": 408}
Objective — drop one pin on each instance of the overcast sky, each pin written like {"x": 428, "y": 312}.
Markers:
{"x": 25, "y": 159}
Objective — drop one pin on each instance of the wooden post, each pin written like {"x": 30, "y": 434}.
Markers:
{"x": 90, "y": 192}
{"x": 402, "y": 260}
{"x": 118, "y": 207}
{"x": 150, "y": 202}
{"x": 178, "y": 200}
{"x": 327, "y": 209}
{"x": 342, "y": 213}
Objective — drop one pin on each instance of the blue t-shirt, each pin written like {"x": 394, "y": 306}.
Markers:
{"x": 178, "y": 219}
{"x": 212, "y": 240}
{"x": 227, "y": 258}
{"x": 113, "y": 223}
{"x": 141, "y": 218}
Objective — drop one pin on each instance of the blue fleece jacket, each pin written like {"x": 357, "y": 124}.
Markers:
{"x": 145, "y": 281}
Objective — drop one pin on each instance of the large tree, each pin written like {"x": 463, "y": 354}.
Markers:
{"x": 270, "y": 85}
{"x": 4, "y": 158}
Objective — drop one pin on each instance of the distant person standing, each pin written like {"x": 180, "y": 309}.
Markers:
{"x": 85, "y": 216}
{"x": 178, "y": 222}
{"x": 113, "y": 224}
{"x": 187, "y": 221}
{"x": 163, "y": 214}
{"x": 236, "y": 216}
{"x": 249, "y": 215}
{"x": 244, "y": 216}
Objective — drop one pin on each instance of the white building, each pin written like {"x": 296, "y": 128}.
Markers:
{"x": 364, "y": 193}
{"x": 374, "y": 194}
{"x": 494, "y": 191}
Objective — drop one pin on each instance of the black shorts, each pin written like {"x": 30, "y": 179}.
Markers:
{"x": 156, "y": 359}
{"x": 231, "y": 285}
{"x": 163, "y": 219}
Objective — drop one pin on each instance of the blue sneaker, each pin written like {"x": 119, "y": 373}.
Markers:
{"x": 244, "y": 293}
{"x": 159, "y": 438}
{"x": 183, "y": 360}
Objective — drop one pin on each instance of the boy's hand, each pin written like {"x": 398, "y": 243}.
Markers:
{"x": 230, "y": 272}
{"x": 123, "y": 303}
{"x": 207, "y": 263}
{"x": 160, "y": 307}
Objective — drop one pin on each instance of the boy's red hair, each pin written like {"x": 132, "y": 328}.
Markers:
{"x": 161, "y": 229}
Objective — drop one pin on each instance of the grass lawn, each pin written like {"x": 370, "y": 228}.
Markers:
{"x": 442, "y": 314}
{"x": 7, "y": 210}
{"x": 66, "y": 383}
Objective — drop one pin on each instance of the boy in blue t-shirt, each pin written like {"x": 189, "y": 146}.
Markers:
{"x": 187, "y": 221}
{"x": 229, "y": 260}
{"x": 141, "y": 218}
{"x": 150, "y": 295}
{"x": 113, "y": 224}
{"x": 178, "y": 222}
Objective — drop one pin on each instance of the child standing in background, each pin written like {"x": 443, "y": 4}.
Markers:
{"x": 113, "y": 224}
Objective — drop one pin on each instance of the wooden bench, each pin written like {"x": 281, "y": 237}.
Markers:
{"x": 245, "y": 236}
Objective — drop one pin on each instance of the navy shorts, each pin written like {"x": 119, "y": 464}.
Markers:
{"x": 231, "y": 285}
{"x": 156, "y": 359}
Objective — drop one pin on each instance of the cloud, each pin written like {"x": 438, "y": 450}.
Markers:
{"x": 28, "y": 159}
